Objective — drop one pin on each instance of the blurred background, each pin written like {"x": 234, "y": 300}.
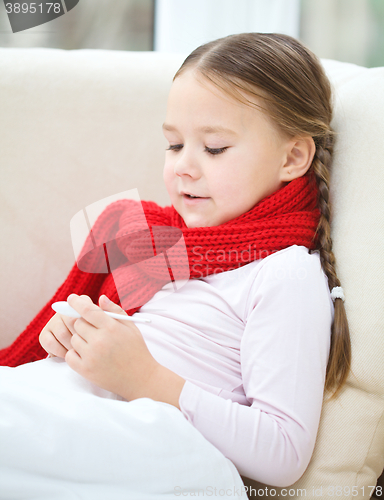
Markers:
{"x": 345, "y": 30}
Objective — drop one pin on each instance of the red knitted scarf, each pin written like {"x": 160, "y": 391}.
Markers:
{"x": 129, "y": 256}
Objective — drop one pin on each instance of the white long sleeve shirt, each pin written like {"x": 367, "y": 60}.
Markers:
{"x": 253, "y": 345}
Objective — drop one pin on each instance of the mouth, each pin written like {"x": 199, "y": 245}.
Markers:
{"x": 192, "y": 199}
{"x": 191, "y": 196}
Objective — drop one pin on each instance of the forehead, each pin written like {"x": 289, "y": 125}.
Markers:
{"x": 192, "y": 86}
{"x": 195, "y": 98}
{"x": 195, "y": 102}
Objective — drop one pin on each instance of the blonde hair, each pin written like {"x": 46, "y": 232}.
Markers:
{"x": 291, "y": 83}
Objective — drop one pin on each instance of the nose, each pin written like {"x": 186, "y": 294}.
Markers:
{"x": 186, "y": 164}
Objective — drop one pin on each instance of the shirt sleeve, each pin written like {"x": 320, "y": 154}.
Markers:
{"x": 284, "y": 353}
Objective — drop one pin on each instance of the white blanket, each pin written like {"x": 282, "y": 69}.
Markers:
{"x": 62, "y": 437}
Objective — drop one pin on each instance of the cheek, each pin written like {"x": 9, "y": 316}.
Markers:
{"x": 167, "y": 170}
{"x": 169, "y": 177}
{"x": 228, "y": 179}
{"x": 237, "y": 186}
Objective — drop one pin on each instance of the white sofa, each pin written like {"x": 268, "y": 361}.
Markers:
{"x": 79, "y": 126}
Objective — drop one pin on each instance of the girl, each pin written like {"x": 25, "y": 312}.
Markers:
{"x": 244, "y": 348}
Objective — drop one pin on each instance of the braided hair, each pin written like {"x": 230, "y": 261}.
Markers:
{"x": 289, "y": 81}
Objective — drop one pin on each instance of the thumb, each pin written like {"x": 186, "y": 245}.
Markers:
{"x": 108, "y": 305}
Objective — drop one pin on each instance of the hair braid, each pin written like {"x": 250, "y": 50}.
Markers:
{"x": 340, "y": 339}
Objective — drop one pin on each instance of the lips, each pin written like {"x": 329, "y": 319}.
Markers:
{"x": 188, "y": 195}
{"x": 193, "y": 201}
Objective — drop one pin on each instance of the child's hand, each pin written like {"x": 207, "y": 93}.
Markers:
{"x": 55, "y": 337}
{"x": 109, "y": 352}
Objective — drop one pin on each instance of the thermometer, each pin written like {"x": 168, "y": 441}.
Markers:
{"x": 65, "y": 309}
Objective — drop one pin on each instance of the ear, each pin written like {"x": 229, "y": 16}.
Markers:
{"x": 300, "y": 153}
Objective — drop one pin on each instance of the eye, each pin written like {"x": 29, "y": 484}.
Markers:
{"x": 175, "y": 147}
{"x": 216, "y": 151}
{"x": 211, "y": 151}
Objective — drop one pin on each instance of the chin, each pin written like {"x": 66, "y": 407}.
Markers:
{"x": 193, "y": 225}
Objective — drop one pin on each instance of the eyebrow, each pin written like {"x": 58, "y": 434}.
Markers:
{"x": 206, "y": 130}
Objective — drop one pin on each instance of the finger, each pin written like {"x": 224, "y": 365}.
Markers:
{"x": 107, "y": 305}
{"x": 89, "y": 311}
{"x": 86, "y": 297}
{"x": 78, "y": 344}
{"x": 51, "y": 345}
{"x": 84, "y": 329}
{"x": 69, "y": 323}
{"x": 73, "y": 359}
{"x": 61, "y": 333}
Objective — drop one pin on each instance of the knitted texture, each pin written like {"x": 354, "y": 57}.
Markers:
{"x": 135, "y": 248}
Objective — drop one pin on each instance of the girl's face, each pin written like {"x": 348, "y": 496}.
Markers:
{"x": 225, "y": 152}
